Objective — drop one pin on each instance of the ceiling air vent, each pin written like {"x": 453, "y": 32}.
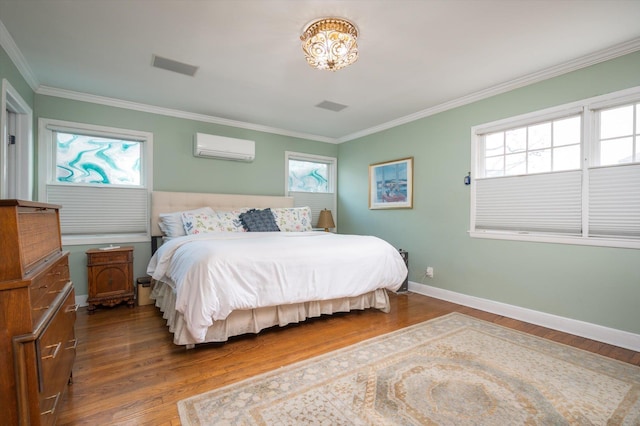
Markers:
{"x": 175, "y": 66}
{"x": 331, "y": 106}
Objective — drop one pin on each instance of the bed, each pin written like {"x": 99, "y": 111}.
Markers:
{"x": 216, "y": 281}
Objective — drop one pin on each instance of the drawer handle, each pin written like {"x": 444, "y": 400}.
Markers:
{"x": 55, "y": 291}
{"x": 44, "y": 286}
{"x": 72, "y": 308}
{"x": 54, "y": 405}
{"x": 75, "y": 344}
{"x": 41, "y": 308}
{"x": 55, "y": 350}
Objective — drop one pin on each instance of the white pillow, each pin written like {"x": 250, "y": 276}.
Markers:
{"x": 171, "y": 223}
{"x": 293, "y": 219}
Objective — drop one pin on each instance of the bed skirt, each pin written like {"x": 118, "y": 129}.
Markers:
{"x": 254, "y": 320}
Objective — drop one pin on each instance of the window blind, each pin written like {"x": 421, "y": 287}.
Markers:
{"x": 100, "y": 210}
{"x": 614, "y": 201}
{"x": 317, "y": 201}
{"x": 549, "y": 202}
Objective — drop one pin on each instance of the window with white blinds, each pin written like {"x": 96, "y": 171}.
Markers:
{"x": 101, "y": 177}
{"x": 311, "y": 181}
{"x": 569, "y": 174}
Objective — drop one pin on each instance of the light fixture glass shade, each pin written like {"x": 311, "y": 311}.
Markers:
{"x": 330, "y": 43}
{"x": 326, "y": 220}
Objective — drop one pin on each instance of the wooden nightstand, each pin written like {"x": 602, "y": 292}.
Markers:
{"x": 110, "y": 274}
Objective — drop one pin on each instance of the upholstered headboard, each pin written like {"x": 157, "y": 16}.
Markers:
{"x": 169, "y": 202}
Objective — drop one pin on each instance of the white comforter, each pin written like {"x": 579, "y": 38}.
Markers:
{"x": 214, "y": 274}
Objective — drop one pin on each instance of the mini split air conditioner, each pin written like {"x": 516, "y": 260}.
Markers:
{"x": 213, "y": 146}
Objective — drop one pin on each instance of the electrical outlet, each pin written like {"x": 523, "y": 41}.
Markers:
{"x": 429, "y": 272}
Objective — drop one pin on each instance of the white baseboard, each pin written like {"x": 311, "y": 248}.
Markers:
{"x": 81, "y": 300}
{"x": 612, "y": 336}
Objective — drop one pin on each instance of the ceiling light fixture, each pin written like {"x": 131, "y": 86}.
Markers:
{"x": 330, "y": 43}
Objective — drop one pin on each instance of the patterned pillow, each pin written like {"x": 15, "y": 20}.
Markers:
{"x": 229, "y": 221}
{"x": 259, "y": 221}
{"x": 171, "y": 223}
{"x": 293, "y": 219}
{"x": 200, "y": 222}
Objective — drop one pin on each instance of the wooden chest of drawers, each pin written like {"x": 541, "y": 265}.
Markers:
{"x": 37, "y": 313}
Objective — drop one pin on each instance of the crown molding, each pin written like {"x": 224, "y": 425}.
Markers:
{"x": 545, "y": 74}
{"x": 7, "y": 43}
{"x": 119, "y": 103}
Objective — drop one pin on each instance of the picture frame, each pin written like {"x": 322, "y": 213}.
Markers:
{"x": 391, "y": 184}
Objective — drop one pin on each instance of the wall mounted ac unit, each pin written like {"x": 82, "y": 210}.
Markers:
{"x": 213, "y": 146}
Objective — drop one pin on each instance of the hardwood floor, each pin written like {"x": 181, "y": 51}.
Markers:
{"x": 128, "y": 371}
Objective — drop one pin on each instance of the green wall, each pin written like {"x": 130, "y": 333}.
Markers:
{"x": 9, "y": 71}
{"x": 174, "y": 166}
{"x": 593, "y": 284}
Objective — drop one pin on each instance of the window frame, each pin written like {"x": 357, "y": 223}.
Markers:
{"x": 47, "y": 173}
{"x": 332, "y": 177}
{"x": 527, "y": 150}
{"x": 589, "y": 110}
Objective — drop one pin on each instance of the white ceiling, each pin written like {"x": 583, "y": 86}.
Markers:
{"x": 416, "y": 56}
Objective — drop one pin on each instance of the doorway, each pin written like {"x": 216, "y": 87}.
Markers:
{"x": 16, "y": 145}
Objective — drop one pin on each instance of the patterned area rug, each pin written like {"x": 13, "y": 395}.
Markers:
{"x": 452, "y": 370}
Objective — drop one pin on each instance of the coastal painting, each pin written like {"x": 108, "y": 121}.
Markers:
{"x": 391, "y": 184}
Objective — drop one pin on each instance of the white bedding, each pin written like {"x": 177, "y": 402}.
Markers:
{"x": 217, "y": 273}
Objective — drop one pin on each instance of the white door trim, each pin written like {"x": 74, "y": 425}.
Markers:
{"x": 23, "y": 186}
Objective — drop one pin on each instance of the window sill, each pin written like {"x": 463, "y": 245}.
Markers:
{"x": 77, "y": 240}
{"x": 557, "y": 239}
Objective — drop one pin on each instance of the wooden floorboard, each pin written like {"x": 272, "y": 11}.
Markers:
{"x": 129, "y": 372}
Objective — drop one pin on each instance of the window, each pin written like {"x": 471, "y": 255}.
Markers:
{"x": 311, "y": 180}
{"x": 569, "y": 174}
{"x": 308, "y": 176}
{"x": 618, "y": 135}
{"x": 100, "y": 176}
{"x": 542, "y": 147}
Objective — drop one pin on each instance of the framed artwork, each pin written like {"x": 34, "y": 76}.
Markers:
{"x": 391, "y": 184}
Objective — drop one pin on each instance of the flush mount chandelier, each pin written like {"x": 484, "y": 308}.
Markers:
{"x": 330, "y": 43}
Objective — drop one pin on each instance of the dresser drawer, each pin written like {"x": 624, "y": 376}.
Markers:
{"x": 56, "y": 352}
{"x": 46, "y": 286}
{"x": 106, "y": 257}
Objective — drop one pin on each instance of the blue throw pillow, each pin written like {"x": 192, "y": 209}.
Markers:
{"x": 259, "y": 221}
